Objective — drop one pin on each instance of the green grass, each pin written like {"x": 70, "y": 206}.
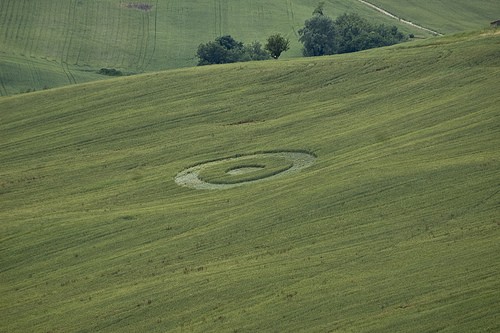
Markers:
{"x": 73, "y": 37}
{"x": 21, "y": 75}
{"x": 449, "y": 16}
{"x": 218, "y": 173}
{"x": 395, "y": 228}
{"x": 59, "y": 42}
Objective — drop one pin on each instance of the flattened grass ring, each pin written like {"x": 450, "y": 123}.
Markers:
{"x": 243, "y": 169}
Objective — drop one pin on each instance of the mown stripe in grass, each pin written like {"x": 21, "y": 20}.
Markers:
{"x": 214, "y": 174}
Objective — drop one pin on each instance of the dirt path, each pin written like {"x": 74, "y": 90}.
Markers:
{"x": 399, "y": 19}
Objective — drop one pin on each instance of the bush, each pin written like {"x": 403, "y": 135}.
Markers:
{"x": 254, "y": 51}
{"x": 318, "y": 36}
{"x": 226, "y": 50}
{"x": 348, "y": 33}
{"x": 110, "y": 72}
{"x": 276, "y": 44}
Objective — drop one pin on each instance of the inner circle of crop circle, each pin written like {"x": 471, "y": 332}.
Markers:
{"x": 243, "y": 169}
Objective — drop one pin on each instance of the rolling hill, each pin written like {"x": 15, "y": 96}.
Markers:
{"x": 391, "y": 225}
{"x": 445, "y": 16}
{"x": 58, "y": 42}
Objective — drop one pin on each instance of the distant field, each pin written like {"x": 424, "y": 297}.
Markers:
{"x": 75, "y": 36}
{"x": 394, "y": 227}
{"x": 445, "y": 16}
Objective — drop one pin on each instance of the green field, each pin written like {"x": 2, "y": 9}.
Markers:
{"x": 47, "y": 44}
{"x": 394, "y": 228}
{"x": 444, "y": 16}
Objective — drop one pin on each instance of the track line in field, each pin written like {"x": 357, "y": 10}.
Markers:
{"x": 11, "y": 25}
{"x": 115, "y": 32}
{"x": 2, "y": 85}
{"x": 8, "y": 20}
{"x": 105, "y": 32}
{"x": 4, "y": 16}
{"x": 71, "y": 34}
{"x": 45, "y": 42}
{"x": 34, "y": 30}
{"x": 116, "y": 59}
{"x": 112, "y": 45}
{"x": 154, "y": 35}
{"x": 128, "y": 32}
{"x": 19, "y": 18}
{"x": 85, "y": 22}
{"x": 291, "y": 18}
{"x": 4, "y": 12}
{"x": 139, "y": 43}
{"x": 65, "y": 33}
{"x": 215, "y": 17}
{"x": 383, "y": 11}
{"x": 94, "y": 10}
{"x": 219, "y": 13}
{"x": 23, "y": 26}
{"x": 218, "y": 17}
{"x": 67, "y": 44}
{"x": 145, "y": 39}
{"x": 123, "y": 31}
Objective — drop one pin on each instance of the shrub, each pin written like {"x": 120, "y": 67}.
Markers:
{"x": 322, "y": 35}
{"x": 110, "y": 72}
{"x": 276, "y": 44}
{"x": 226, "y": 50}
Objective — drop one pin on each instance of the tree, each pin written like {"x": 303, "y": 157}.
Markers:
{"x": 223, "y": 50}
{"x": 276, "y": 44}
{"x": 253, "y": 52}
{"x": 352, "y": 30}
{"x": 319, "y": 9}
{"x": 211, "y": 53}
{"x": 318, "y": 36}
{"x": 226, "y": 50}
{"x": 348, "y": 33}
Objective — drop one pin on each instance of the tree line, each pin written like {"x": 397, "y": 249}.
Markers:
{"x": 321, "y": 35}
{"x": 226, "y": 49}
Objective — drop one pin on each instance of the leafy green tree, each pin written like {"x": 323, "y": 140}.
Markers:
{"x": 352, "y": 31}
{"x": 229, "y": 42}
{"x": 318, "y": 36}
{"x": 348, "y": 33}
{"x": 226, "y": 50}
{"x": 319, "y": 10}
{"x": 276, "y": 44}
{"x": 223, "y": 50}
{"x": 254, "y": 51}
{"x": 211, "y": 53}
{"x": 355, "y": 34}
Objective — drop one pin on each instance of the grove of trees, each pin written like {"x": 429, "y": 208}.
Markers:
{"x": 322, "y": 35}
{"x": 226, "y": 50}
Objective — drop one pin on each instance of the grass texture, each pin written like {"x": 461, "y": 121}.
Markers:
{"x": 394, "y": 228}
{"x": 73, "y": 38}
{"x": 265, "y": 167}
{"x": 444, "y": 16}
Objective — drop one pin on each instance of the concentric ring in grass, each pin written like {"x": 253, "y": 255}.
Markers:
{"x": 255, "y": 168}
{"x": 243, "y": 169}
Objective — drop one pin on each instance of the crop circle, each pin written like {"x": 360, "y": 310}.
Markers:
{"x": 240, "y": 170}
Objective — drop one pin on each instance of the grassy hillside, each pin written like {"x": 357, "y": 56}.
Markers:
{"x": 448, "y": 16}
{"x": 394, "y": 228}
{"x": 73, "y": 37}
